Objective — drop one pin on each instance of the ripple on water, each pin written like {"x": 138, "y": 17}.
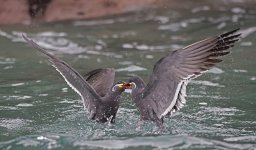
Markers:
{"x": 43, "y": 95}
{"x": 247, "y": 32}
{"x": 145, "y": 47}
{"x": 55, "y": 41}
{"x": 159, "y": 142}
{"x": 240, "y": 71}
{"x": 24, "y": 105}
{"x": 4, "y": 60}
{"x": 61, "y": 44}
{"x": 51, "y": 141}
{"x": 149, "y": 56}
{"x": 208, "y": 96}
{"x": 69, "y": 101}
{"x": 253, "y": 78}
{"x": 215, "y": 70}
{"x": 14, "y": 123}
{"x": 8, "y": 108}
{"x": 249, "y": 43}
{"x": 241, "y": 139}
{"x": 131, "y": 68}
{"x": 17, "y": 97}
{"x": 17, "y": 84}
{"x": 33, "y": 141}
{"x": 201, "y": 8}
{"x": 125, "y": 62}
{"x": 52, "y": 34}
{"x": 206, "y": 83}
{"x": 222, "y": 111}
{"x": 180, "y": 25}
{"x": 93, "y": 22}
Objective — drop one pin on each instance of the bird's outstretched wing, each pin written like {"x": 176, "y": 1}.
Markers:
{"x": 101, "y": 80}
{"x": 166, "y": 91}
{"x": 72, "y": 77}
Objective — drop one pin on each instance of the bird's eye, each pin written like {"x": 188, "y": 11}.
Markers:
{"x": 133, "y": 85}
{"x": 118, "y": 85}
{"x": 119, "y": 82}
{"x": 114, "y": 88}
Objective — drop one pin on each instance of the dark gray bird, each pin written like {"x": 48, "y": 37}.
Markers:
{"x": 100, "y": 96}
{"x": 166, "y": 90}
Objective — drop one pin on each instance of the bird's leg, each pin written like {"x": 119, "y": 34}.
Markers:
{"x": 92, "y": 115}
{"x": 159, "y": 123}
{"x": 113, "y": 119}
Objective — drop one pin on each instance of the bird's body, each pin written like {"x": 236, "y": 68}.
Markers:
{"x": 108, "y": 102}
{"x": 101, "y": 97}
{"x": 146, "y": 111}
{"x": 165, "y": 92}
{"x": 107, "y": 107}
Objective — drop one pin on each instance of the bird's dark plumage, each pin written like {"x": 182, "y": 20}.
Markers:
{"x": 166, "y": 90}
{"x": 100, "y": 96}
{"x": 101, "y": 80}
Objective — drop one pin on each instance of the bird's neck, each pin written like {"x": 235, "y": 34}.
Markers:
{"x": 112, "y": 96}
{"x": 137, "y": 94}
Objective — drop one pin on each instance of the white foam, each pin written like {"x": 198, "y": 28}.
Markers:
{"x": 249, "y": 43}
{"x": 247, "y": 32}
{"x": 4, "y": 60}
{"x": 253, "y": 78}
{"x": 52, "y": 34}
{"x": 206, "y": 83}
{"x": 240, "y": 70}
{"x": 131, "y": 68}
{"x": 64, "y": 90}
{"x": 24, "y": 105}
{"x": 215, "y": 70}
{"x": 201, "y": 8}
{"x": 203, "y": 103}
{"x": 237, "y": 10}
{"x": 17, "y": 84}
{"x": 93, "y": 22}
{"x": 241, "y": 139}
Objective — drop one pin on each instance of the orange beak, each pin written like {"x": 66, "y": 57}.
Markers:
{"x": 124, "y": 85}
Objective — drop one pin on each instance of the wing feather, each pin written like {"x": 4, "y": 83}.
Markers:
{"x": 171, "y": 74}
{"x": 101, "y": 80}
{"x": 72, "y": 77}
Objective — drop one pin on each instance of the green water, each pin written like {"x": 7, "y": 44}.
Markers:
{"x": 39, "y": 111}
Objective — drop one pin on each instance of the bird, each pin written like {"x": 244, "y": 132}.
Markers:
{"x": 100, "y": 95}
{"x": 165, "y": 92}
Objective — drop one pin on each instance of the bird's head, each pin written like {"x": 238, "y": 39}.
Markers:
{"x": 121, "y": 86}
{"x": 136, "y": 82}
{"x": 136, "y": 85}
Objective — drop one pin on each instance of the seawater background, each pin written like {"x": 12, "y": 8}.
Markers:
{"x": 39, "y": 111}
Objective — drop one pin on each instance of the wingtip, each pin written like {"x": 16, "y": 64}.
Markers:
{"x": 27, "y": 39}
{"x": 24, "y": 37}
{"x": 236, "y": 29}
{"x": 230, "y": 32}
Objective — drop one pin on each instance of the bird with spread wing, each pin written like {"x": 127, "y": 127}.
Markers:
{"x": 165, "y": 92}
{"x": 101, "y": 97}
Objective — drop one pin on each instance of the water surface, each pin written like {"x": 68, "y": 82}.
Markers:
{"x": 39, "y": 111}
